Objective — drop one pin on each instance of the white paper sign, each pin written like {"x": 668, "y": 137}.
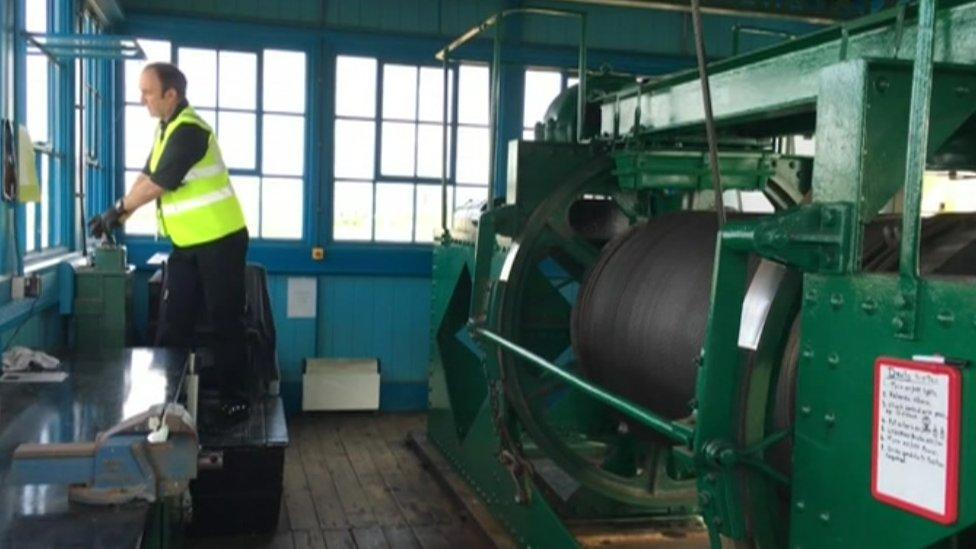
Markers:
{"x": 916, "y": 450}
{"x": 301, "y": 297}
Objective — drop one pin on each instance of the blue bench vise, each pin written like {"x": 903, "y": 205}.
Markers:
{"x": 146, "y": 457}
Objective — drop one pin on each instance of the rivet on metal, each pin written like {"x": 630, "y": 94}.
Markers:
{"x": 869, "y": 306}
{"x": 836, "y": 301}
{"x": 881, "y": 84}
{"x": 825, "y": 517}
{"x": 805, "y": 410}
{"x": 828, "y": 218}
{"x": 833, "y": 359}
{"x": 808, "y": 352}
{"x": 963, "y": 90}
{"x": 801, "y": 506}
{"x": 898, "y": 323}
{"x": 811, "y": 296}
{"x": 946, "y": 318}
{"x": 830, "y": 419}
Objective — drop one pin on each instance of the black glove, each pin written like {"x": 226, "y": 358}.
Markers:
{"x": 111, "y": 219}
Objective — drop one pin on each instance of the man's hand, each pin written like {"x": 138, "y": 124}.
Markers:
{"x": 111, "y": 219}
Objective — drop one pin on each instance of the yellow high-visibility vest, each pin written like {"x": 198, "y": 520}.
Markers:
{"x": 204, "y": 208}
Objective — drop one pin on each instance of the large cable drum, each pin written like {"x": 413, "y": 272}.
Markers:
{"x": 640, "y": 318}
{"x": 639, "y": 322}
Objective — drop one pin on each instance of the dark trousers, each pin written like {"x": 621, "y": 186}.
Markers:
{"x": 208, "y": 276}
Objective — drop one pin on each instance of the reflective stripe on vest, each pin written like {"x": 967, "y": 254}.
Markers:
{"x": 201, "y": 173}
{"x": 170, "y": 210}
{"x": 204, "y": 207}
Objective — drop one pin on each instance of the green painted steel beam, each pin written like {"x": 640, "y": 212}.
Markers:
{"x": 784, "y": 79}
{"x": 785, "y": 11}
{"x": 675, "y": 431}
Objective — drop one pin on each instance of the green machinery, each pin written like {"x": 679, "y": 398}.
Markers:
{"x": 103, "y": 295}
{"x": 606, "y": 356}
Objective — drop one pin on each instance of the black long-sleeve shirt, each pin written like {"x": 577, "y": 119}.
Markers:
{"x": 186, "y": 147}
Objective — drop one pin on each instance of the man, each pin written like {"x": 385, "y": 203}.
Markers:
{"x": 195, "y": 205}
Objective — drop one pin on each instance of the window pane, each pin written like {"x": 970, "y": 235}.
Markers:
{"x": 248, "y": 191}
{"x": 35, "y": 16}
{"x": 156, "y": 50}
{"x": 30, "y": 226}
{"x": 238, "y": 80}
{"x": 281, "y": 208}
{"x": 37, "y": 101}
{"x": 353, "y": 211}
{"x": 429, "y": 212}
{"x": 354, "y": 148}
{"x": 397, "y": 154}
{"x": 236, "y": 133}
{"x": 283, "y": 139}
{"x": 528, "y": 135}
{"x": 209, "y": 116}
{"x": 472, "y": 155}
{"x": 431, "y": 100}
{"x": 394, "y": 212}
{"x": 541, "y": 87}
{"x": 467, "y": 197}
{"x": 473, "y": 95}
{"x": 356, "y": 86}
{"x": 143, "y": 220}
{"x": 572, "y": 81}
{"x": 45, "y": 204}
{"x": 140, "y": 129}
{"x": 284, "y": 81}
{"x": 400, "y": 92}
{"x": 200, "y": 68}
{"x": 429, "y": 154}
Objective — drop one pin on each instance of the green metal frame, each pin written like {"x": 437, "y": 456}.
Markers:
{"x": 498, "y": 344}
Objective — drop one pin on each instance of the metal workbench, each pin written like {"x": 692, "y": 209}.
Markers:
{"x": 99, "y": 393}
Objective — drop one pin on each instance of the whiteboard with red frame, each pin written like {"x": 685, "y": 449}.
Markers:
{"x": 915, "y": 452}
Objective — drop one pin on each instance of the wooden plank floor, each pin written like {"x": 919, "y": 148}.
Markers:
{"x": 351, "y": 482}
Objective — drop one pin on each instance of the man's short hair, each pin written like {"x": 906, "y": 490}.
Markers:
{"x": 170, "y": 76}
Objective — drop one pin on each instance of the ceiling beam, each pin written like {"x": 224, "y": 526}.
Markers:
{"x": 817, "y": 17}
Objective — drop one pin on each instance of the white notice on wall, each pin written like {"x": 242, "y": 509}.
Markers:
{"x": 916, "y": 435}
{"x": 301, "y": 297}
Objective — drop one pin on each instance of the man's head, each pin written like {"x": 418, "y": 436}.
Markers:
{"x": 163, "y": 87}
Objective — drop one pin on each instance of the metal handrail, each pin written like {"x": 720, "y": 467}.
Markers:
{"x": 738, "y": 30}
{"x": 677, "y": 432}
{"x": 444, "y": 55}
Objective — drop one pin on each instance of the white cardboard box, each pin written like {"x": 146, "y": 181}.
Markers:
{"x": 332, "y": 384}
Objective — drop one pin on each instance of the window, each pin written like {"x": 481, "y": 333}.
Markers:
{"x": 388, "y": 154}
{"x": 37, "y": 215}
{"x": 262, "y": 142}
{"x": 541, "y": 87}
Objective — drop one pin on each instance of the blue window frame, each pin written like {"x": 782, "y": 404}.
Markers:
{"x": 388, "y": 147}
{"x": 255, "y": 100}
{"x": 44, "y": 104}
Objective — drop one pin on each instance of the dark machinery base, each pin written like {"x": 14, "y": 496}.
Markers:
{"x": 244, "y": 495}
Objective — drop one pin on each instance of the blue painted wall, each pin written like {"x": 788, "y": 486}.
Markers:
{"x": 383, "y": 317}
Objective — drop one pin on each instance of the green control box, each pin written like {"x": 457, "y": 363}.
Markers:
{"x": 102, "y": 303}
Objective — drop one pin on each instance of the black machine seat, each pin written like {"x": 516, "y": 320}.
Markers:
{"x": 262, "y": 353}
